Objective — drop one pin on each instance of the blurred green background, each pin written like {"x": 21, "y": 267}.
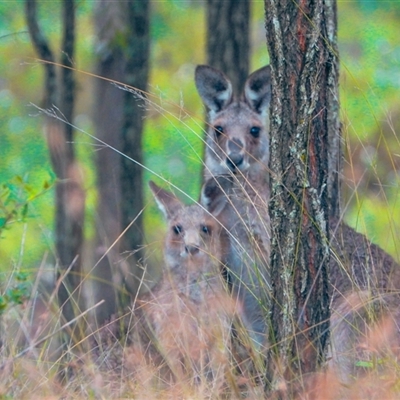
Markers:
{"x": 369, "y": 44}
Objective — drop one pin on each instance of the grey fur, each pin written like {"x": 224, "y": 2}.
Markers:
{"x": 356, "y": 265}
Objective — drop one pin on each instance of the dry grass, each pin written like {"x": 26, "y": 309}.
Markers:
{"x": 120, "y": 361}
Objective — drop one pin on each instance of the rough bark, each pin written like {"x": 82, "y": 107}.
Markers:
{"x": 301, "y": 39}
{"x": 228, "y": 39}
{"x": 335, "y": 153}
{"x": 119, "y": 118}
{"x": 69, "y": 195}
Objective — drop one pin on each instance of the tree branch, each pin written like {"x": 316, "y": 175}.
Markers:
{"x": 43, "y": 50}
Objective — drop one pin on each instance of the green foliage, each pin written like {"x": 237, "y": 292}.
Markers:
{"x": 17, "y": 291}
{"x": 19, "y": 201}
{"x": 370, "y": 65}
{"x": 370, "y": 82}
{"x": 24, "y": 161}
{"x": 15, "y": 197}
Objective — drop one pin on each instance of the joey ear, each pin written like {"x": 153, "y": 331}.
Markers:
{"x": 257, "y": 90}
{"x": 214, "y": 87}
{"x": 167, "y": 202}
{"x": 215, "y": 192}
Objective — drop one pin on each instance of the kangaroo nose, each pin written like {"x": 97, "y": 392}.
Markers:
{"x": 191, "y": 249}
{"x": 235, "y": 156}
{"x": 235, "y": 145}
{"x": 234, "y": 160}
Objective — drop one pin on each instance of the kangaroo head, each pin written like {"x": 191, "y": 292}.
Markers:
{"x": 237, "y": 139}
{"x": 193, "y": 235}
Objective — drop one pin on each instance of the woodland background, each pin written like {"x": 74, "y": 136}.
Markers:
{"x": 370, "y": 112}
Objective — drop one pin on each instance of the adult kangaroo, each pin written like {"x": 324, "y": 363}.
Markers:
{"x": 237, "y": 147}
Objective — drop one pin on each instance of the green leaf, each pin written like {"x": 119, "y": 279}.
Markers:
{"x": 21, "y": 276}
{"x": 365, "y": 364}
{"x": 3, "y": 304}
{"x": 19, "y": 293}
{"x": 24, "y": 211}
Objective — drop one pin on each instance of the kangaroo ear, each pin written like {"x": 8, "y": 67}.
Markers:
{"x": 215, "y": 192}
{"x": 257, "y": 90}
{"x": 167, "y": 202}
{"x": 214, "y": 87}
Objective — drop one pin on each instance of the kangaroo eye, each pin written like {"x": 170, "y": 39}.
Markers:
{"x": 206, "y": 229}
{"x": 218, "y": 131}
{"x": 177, "y": 229}
{"x": 255, "y": 131}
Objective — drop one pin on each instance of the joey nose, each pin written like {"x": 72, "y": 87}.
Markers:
{"x": 234, "y": 160}
{"x": 191, "y": 249}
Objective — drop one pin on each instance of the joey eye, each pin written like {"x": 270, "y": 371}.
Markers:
{"x": 206, "y": 229}
{"x": 255, "y": 131}
{"x": 177, "y": 229}
{"x": 218, "y": 131}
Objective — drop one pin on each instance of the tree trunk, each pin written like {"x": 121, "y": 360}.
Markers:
{"x": 108, "y": 117}
{"x": 301, "y": 41}
{"x": 69, "y": 195}
{"x": 228, "y": 39}
{"x": 119, "y": 120}
{"x": 136, "y": 76}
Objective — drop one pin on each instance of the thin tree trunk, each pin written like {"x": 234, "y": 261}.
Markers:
{"x": 228, "y": 39}
{"x": 44, "y": 52}
{"x": 136, "y": 75}
{"x": 108, "y": 119}
{"x": 72, "y": 192}
{"x": 228, "y": 46}
{"x": 69, "y": 196}
{"x": 301, "y": 41}
{"x": 119, "y": 120}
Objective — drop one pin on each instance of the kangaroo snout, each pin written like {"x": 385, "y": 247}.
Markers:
{"x": 191, "y": 249}
{"x": 234, "y": 161}
{"x": 235, "y": 154}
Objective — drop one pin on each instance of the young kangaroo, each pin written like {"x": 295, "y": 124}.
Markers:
{"x": 187, "y": 314}
{"x": 237, "y": 146}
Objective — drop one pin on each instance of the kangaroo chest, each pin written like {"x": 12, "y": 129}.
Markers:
{"x": 250, "y": 215}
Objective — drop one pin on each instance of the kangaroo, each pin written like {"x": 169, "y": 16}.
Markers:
{"x": 187, "y": 314}
{"x": 365, "y": 335}
{"x": 237, "y": 146}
